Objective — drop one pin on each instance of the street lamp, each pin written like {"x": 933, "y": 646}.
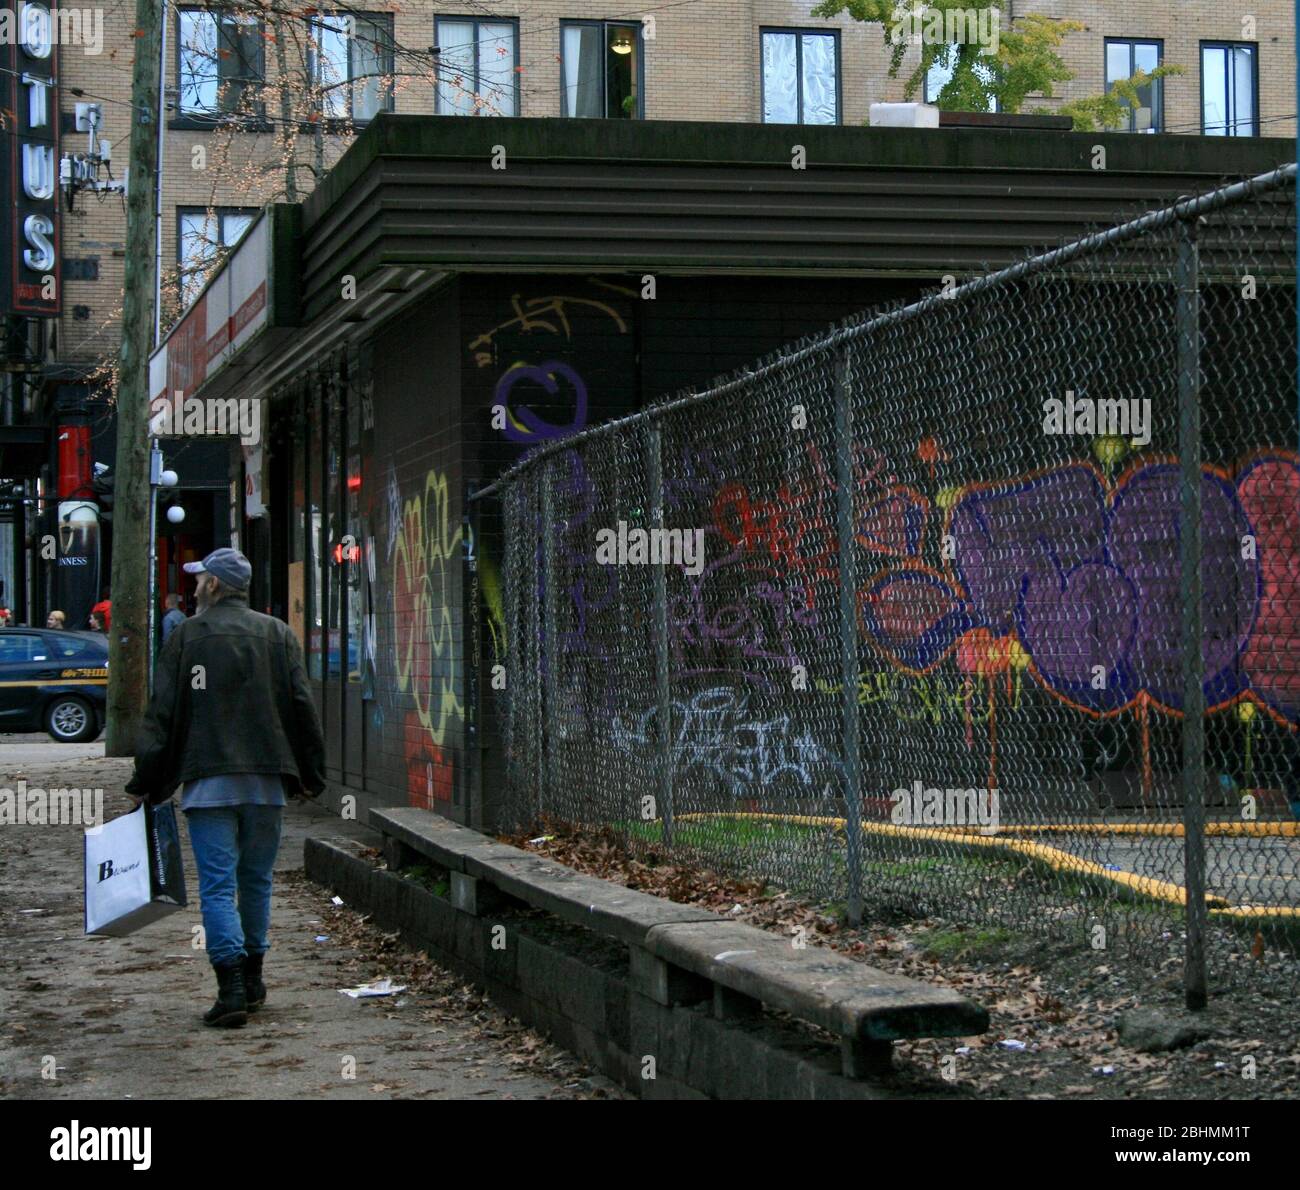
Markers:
{"x": 160, "y": 478}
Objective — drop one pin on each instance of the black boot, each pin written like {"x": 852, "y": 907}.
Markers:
{"x": 231, "y": 1008}
{"x": 254, "y": 988}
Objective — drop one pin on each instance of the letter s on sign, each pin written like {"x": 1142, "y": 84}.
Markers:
{"x": 39, "y": 232}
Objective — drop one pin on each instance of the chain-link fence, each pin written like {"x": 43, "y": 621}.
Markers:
{"x": 987, "y": 606}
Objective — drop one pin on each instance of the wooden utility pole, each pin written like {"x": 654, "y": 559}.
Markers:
{"x": 128, "y": 646}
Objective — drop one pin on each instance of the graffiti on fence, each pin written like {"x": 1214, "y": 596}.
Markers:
{"x": 1056, "y": 578}
{"x": 587, "y": 587}
{"x": 1064, "y": 577}
{"x": 935, "y": 698}
{"x": 794, "y": 529}
{"x": 716, "y": 732}
{"x": 695, "y": 472}
{"x": 1084, "y": 578}
{"x": 774, "y": 555}
{"x": 730, "y": 608}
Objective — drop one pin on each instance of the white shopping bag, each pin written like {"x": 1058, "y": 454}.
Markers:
{"x": 133, "y": 871}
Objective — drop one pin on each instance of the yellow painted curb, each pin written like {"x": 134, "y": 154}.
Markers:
{"x": 1052, "y": 857}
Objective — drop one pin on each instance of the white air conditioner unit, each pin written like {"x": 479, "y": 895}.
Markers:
{"x": 904, "y": 115}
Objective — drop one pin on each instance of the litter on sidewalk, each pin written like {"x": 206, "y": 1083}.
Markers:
{"x": 381, "y": 987}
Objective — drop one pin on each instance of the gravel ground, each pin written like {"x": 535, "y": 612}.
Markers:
{"x": 84, "y": 1018}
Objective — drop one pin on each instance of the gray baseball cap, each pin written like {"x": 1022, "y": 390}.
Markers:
{"x": 230, "y": 566}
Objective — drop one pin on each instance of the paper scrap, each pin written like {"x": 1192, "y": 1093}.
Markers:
{"x": 381, "y": 987}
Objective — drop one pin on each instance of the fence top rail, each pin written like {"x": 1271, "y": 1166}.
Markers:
{"x": 1183, "y": 209}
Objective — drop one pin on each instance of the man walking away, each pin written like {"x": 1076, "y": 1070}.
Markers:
{"x": 174, "y": 617}
{"x": 233, "y": 722}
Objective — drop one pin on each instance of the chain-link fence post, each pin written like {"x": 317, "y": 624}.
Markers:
{"x": 849, "y": 728}
{"x": 663, "y": 716}
{"x": 551, "y": 646}
{"x": 1188, "y": 329}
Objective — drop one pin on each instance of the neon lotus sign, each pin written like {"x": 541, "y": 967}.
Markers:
{"x": 29, "y": 257}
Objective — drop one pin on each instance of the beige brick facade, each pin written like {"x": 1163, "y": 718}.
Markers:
{"x": 702, "y": 63}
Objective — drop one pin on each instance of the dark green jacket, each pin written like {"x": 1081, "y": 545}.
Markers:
{"x": 230, "y": 696}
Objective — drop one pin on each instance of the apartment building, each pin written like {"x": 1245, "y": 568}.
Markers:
{"x": 748, "y": 61}
{"x": 261, "y": 98}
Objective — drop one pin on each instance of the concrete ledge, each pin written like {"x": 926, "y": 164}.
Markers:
{"x": 434, "y": 837}
{"x": 577, "y": 987}
{"x": 621, "y": 913}
{"x": 845, "y": 997}
{"x": 679, "y": 953}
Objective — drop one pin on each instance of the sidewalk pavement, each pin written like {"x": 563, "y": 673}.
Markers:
{"x": 119, "y": 1017}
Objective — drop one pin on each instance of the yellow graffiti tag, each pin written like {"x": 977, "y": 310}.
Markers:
{"x": 548, "y": 314}
{"x": 427, "y": 549}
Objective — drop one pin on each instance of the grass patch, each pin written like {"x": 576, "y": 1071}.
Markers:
{"x": 952, "y": 944}
{"x": 901, "y": 867}
{"x": 729, "y": 834}
{"x": 426, "y": 877}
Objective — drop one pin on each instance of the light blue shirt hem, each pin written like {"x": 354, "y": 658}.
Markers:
{"x": 233, "y": 789}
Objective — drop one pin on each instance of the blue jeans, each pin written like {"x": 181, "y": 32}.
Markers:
{"x": 234, "y": 851}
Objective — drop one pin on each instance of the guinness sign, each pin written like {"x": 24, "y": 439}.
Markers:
{"x": 29, "y": 162}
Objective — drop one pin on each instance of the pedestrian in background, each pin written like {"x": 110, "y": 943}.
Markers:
{"x": 232, "y": 721}
{"x": 56, "y": 619}
{"x": 104, "y": 610}
{"x": 174, "y": 617}
{"x": 95, "y": 624}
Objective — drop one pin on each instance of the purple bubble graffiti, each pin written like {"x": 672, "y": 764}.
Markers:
{"x": 523, "y": 425}
{"x": 1090, "y": 585}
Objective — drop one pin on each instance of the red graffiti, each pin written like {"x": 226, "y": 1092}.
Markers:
{"x": 429, "y": 770}
{"x": 1269, "y": 491}
{"x": 794, "y": 531}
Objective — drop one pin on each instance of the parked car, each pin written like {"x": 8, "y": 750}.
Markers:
{"x": 53, "y": 681}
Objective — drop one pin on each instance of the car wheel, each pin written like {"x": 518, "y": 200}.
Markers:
{"x": 71, "y": 720}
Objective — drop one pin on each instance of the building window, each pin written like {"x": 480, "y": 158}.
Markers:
{"x": 602, "y": 70}
{"x": 1229, "y": 89}
{"x": 1124, "y": 58}
{"x": 940, "y": 74}
{"x": 801, "y": 77}
{"x": 220, "y": 63}
{"x": 204, "y": 239}
{"x": 351, "y": 61}
{"x": 477, "y": 67}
